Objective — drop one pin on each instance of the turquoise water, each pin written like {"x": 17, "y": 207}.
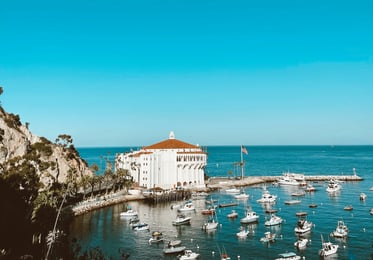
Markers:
{"x": 106, "y": 229}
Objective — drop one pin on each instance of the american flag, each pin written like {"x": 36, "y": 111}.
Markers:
{"x": 244, "y": 150}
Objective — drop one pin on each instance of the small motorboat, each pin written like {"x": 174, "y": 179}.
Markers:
{"x": 363, "y": 196}
{"x": 333, "y": 186}
{"x": 141, "y": 227}
{"x": 292, "y": 202}
{"x": 130, "y": 213}
{"x": 303, "y": 225}
{"x": 181, "y": 219}
{"x": 173, "y": 243}
{"x": 268, "y": 237}
{"x": 348, "y": 208}
{"x": 313, "y": 205}
{"x": 288, "y": 256}
{"x": 209, "y": 211}
{"x": 250, "y": 217}
{"x": 157, "y": 237}
{"x": 243, "y": 233}
{"x": 267, "y": 197}
{"x": 233, "y": 214}
{"x": 273, "y": 221}
{"x": 341, "y": 230}
{"x": 242, "y": 196}
{"x": 188, "y": 206}
{"x": 301, "y": 243}
{"x": 371, "y": 211}
{"x": 328, "y": 249}
{"x": 173, "y": 249}
{"x": 188, "y": 255}
{"x": 210, "y": 225}
{"x": 232, "y": 191}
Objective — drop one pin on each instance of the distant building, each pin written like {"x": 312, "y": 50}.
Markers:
{"x": 168, "y": 164}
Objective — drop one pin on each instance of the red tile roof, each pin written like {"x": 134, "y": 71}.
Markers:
{"x": 171, "y": 144}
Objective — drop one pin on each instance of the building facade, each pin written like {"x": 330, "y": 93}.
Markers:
{"x": 168, "y": 164}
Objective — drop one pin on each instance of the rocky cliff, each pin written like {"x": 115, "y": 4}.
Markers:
{"x": 52, "y": 162}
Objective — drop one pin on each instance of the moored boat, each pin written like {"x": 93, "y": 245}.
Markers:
{"x": 188, "y": 206}
{"x": 328, "y": 249}
{"x": 130, "y": 213}
{"x": 303, "y": 225}
{"x": 363, "y": 196}
{"x": 243, "y": 233}
{"x": 268, "y": 237}
{"x": 233, "y": 214}
{"x": 301, "y": 243}
{"x": 173, "y": 249}
{"x": 273, "y": 221}
{"x": 341, "y": 230}
{"x": 188, "y": 255}
{"x": 288, "y": 256}
{"x": 157, "y": 237}
{"x": 181, "y": 219}
{"x": 333, "y": 186}
{"x": 250, "y": 217}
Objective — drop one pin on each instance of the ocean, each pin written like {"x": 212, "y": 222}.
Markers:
{"x": 105, "y": 228}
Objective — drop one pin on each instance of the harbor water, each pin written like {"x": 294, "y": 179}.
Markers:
{"x": 106, "y": 229}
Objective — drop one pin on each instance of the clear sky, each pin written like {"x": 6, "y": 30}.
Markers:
{"x": 125, "y": 73}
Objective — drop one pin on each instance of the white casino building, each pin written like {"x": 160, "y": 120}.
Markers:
{"x": 168, "y": 164}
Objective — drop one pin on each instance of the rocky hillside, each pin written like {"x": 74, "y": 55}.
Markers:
{"x": 52, "y": 162}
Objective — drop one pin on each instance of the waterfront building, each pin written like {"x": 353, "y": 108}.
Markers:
{"x": 167, "y": 164}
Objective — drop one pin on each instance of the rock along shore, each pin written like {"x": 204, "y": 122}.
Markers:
{"x": 212, "y": 184}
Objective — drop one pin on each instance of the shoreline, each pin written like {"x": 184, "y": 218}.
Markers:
{"x": 211, "y": 184}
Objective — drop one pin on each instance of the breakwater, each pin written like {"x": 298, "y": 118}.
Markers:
{"x": 211, "y": 185}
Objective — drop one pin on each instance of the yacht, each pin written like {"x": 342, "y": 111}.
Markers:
{"x": 267, "y": 197}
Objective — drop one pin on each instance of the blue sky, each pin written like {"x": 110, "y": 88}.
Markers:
{"x": 125, "y": 73}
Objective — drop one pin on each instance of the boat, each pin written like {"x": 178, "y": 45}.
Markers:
{"x": 209, "y": 211}
{"x": 141, "y": 227}
{"x": 210, "y": 224}
{"x": 292, "y": 202}
{"x": 267, "y": 197}
{"x": 173, "y": 249}
{"x": 243, "y": 233}
{"x": 341, "y": 230}
{"x": 273, "y": 221}
{"x": 288, "y": 256}
{"x": 242, "y": 196}
{"x": 303, "y": 225}
{"x": 188, "y": 255}
{"x": 174, "y": 243}
{"x": 233, "y": 214}
{"x": 250, "y": 217}
{"x": 181, "y": 219}
{"x": 333, "y": 186}
{"x": 327, "y": 248}
{"x": 157, "y": 237}
{"x": 268, "y": 237}
{"x": 130, "y": 213}
{"x": 298, "y": 194}
{"x": 348, "y": 208}
{"x": 188, "y": 206}
{"x": 363, "y": 196}
{"x": 231, "y": 204}
{"x": 313, "y": 205}
{"x": 301, "y": 243}
{"x": 232, "y": 191}
{"x": 371, "y": 211}
{"x": 288, "y": 180}
{"x": 309, "y": 188}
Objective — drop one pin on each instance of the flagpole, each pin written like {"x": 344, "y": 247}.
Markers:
{"x": 241, "y": 164}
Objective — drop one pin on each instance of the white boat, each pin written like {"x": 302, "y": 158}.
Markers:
{"x": 173, "y": 249}
{"x": 348, "y": 208}
{"x": 188, "y": 255}
{"x": 250, "y": 217}
{"x": 288, "y": 180}
{"x": 341, "y": 230}
{"x": 188, "y": 206}
{"x": 292, "y": 202}
{"x": 157, "y": 237}
{"x": 301, "y": 243}
{"x": 371, "y": 211}
{"x": 268, "y": 237}
{"x": 233, "y": 214}
{"x": 303, "y": 225}
{"x": 242, "y": 196}
{"x": 273, "y": 221}
{"x": 210, "y": 225}
{"x": 363, "y": 196}
{"x": 310, "y": 188}
{"x": 327, "y": 248}
{"x": 181, "y": 219}
{"x": 174, "y": 243}
{"x": 243, "y": 233}
{"x": 129, "y": 213}
{"x": 232, "y": 191}
{"x": 333, "y": 186}
{"x": 288, "y": 256}
{"x": 141, "y": 227}
{"x": 267, "y": 197}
